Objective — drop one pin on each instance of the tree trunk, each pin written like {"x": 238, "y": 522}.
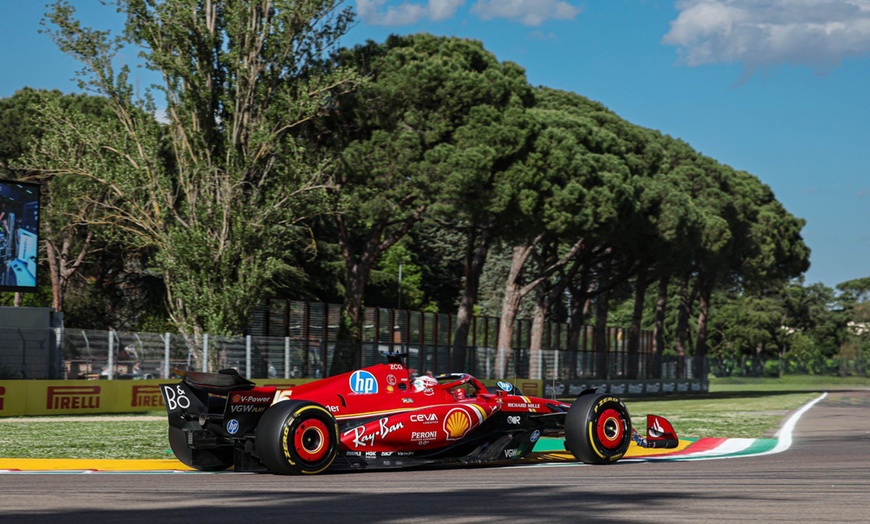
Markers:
{"x": 514, "y": 292}
{"x": 536, "y": 346}
{"x": 700, "y": 357}
{"x": 61, "y": 268}
{"x": 580, "y": 306}
{"x": 348, "y": 345}
{"x": 545, "y": 298}
{"x": 659, "y": 329}
{"x": 634, "y": 331}
{"x": 685, "y": 310}
{"x": 683, "y": 318}
{"x": 600, "y": 344}
{"x": 54, "y": 275}
{"x": 510, "y": 305}
{"x": 475, "y": 257}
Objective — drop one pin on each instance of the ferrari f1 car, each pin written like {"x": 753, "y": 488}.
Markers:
{"x": 379, "y": 417}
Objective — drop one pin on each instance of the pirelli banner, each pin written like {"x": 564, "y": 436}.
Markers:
{"x": 80, "y": 397}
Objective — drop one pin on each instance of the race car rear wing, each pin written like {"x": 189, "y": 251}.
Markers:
{"x": 220, "y": 383}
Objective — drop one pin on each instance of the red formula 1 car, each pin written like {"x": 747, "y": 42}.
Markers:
{"x": 378, "y": 417}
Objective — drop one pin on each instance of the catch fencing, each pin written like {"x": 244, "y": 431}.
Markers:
{"x": 296, "y": 339}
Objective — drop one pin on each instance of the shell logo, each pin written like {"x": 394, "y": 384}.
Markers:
{"x": 456, "y": 424}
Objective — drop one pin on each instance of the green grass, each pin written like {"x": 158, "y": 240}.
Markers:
{"x": 104, "y": 437}
{"x": 740, "y": 407}
{"x": 750, "y": 408}
{"x": 711, "y": 416}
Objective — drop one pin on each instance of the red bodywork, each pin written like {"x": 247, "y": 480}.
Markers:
{"x": 379, "y": 410}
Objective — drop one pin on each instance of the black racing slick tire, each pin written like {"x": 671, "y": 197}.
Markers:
{"x": 297, "y": 437}
{"x": 212, "y": 459}
{"x": 597, "y": 429}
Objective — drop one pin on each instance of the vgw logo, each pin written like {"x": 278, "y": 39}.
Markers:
{"x": 363, "y": 383}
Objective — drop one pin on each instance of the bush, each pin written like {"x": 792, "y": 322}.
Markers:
{"x": 772, "y": 368}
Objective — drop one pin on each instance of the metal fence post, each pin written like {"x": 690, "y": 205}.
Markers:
{"x": 55, "y": 359}
{"x": 111, "y": 355}
{"x": 89, "y": 357}
{"x": 248, "y": 357}
{"x": 205, "y": 352}
{"x": 166, "y": 355}
{"x": 286, "y": 357}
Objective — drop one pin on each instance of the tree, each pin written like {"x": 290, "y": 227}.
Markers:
{"x": 764, "y": 248}
{"x": 422, "y": 90}
{"x": 855, "y": 291}
{"x": 567, "y": 196}
{"x": 67, "y": 239}
{"x": 677, "y": 222}
{"x": 854, "y": 310}
{"x": 747, "y": 326}
{"x": 216, "y": 191}
{"x": 477, "y": 196}
{"x": 435, "y": 110}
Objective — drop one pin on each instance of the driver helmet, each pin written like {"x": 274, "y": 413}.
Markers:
{"x": 421, "y": 383}
{"x": 459, "y": 393}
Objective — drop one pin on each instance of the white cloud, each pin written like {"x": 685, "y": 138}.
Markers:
{"x": 528, "y": 12}
{"x": 405, "y": 12}
{"x": 376, "y": 12}
{"x": 537, "y": 34}
{"x": 443, "y": 9}
{"x": 765, "y": 33}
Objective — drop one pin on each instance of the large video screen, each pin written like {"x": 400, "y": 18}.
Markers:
{"x": 19, "y": 235}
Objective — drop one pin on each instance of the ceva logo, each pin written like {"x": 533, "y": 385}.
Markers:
{"x": 364, "y": 383}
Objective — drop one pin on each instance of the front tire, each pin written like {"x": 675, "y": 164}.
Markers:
{"x": 597, "y": 429}
{"x": 297, "y": 437}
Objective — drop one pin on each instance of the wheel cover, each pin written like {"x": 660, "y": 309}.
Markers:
{"x": 311, "y": 440}
{"x": 610, "y": 429}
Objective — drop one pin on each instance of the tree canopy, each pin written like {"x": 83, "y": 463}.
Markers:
{"x": 218, "y": 190}
{"x": 282, "y": 166}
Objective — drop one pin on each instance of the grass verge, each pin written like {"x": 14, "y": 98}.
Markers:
{"x": 103, "y": 437}
{"x": 740, "y": 407}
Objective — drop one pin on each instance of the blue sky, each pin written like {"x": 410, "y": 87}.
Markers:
{"x": 778, "y": 88}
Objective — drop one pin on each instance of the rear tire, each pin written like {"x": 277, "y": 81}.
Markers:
{"x": 597, "y": 429}
{"x": 297, "y": 437}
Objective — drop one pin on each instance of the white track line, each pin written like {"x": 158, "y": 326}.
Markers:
{"x": 783, "y": 442}
{"x": 784, "y": 435}
{"x": 725, "y": 451}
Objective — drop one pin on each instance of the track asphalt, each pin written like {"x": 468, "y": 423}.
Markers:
{"x": 547, "y": 451}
